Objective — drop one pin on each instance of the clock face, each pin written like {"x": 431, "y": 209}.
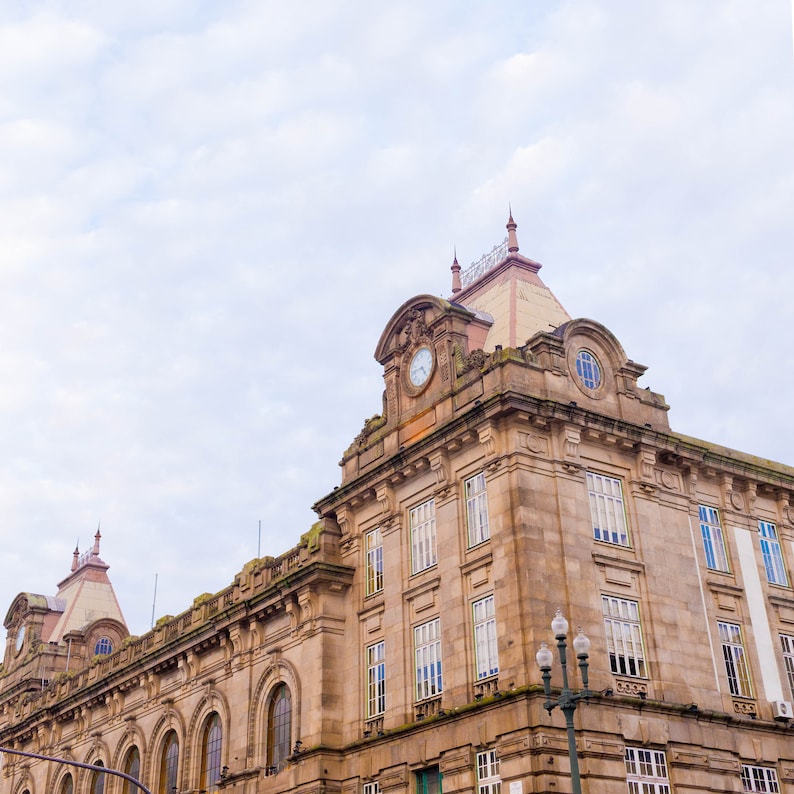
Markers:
{"x": 20, "y": 637}
{"x": 421, "y": 366}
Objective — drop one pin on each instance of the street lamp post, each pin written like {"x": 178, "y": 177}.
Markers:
{"x": 567, "y": 699}
{"x": 95, "y": 767}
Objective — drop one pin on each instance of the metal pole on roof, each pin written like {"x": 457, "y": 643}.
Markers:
{"x": 154, "y": 600}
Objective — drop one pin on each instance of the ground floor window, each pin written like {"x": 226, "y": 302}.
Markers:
{"x": 428, "y": 781}
{"x": 759, "y": 778}
{"x": 646, "y": 771}
{"x": 488, "y": 779}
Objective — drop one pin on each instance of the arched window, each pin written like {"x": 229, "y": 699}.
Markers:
{"x": 279, "y": 728}
{"x": 132, "y": 767}
{"x": 67, "y": 785}
{"x": 103, "y": 646}
{"x": 98, "y": 780}
{"x": 168, "y": 764}
{"x": 211, "y": 754}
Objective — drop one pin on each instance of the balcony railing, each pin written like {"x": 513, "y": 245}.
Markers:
{"x": 487, "y": 688}
{"x": 428, "y": 708}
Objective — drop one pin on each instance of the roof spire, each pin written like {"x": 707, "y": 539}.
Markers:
{"x": 455, "y": 268}
{"x": 97, "y": 538}
{"x": 512, "y": 237}
{"x": 76, "y": 556}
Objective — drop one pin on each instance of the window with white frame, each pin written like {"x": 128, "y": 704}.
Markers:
{"x": 607, "y": 509}
{"x": 735, "y": 658}
{"x": 427, "y": 652}
{"x": 646, "y": 771}
{"x": 372, "y": 787}
{"x": 374, "y": 548}
{"x": 477, "y": 509}
{"x": 787, "y": 643}
{"x": 759, "y": 778}
{"x": 713, "y": 539}
{"x": 423, "y": 536}
{"x": 376, "y": 679}
{"x": 488, "y": 780}
{"x": 624, "y": 636}
{"x": 485, "y": 651}
{"x": 772, "y": 553}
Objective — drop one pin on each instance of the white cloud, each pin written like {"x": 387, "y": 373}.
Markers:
{"x": 209, "y": 212}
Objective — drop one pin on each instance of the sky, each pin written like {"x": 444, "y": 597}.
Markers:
{"x": 209, "y": 212}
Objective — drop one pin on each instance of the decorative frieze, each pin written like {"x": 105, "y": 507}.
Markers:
{"x": 746, "y": 707}
{"x": 631, "y": 687}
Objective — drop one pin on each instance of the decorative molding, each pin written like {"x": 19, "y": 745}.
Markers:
{"x": 647, "y": 458}
{"x": 746, "y": 707}
{"x": 443, "y": 364}
{"x": 439, "y": 464}
{"x": 571, "y": 439}
{"x": 489, "y": 438}
{"x": 414, "y": 328}
{"x": 625, "y": 686}
{"x": 533, "y": 443}
{"x": 669, "y": 480}
{"x": 456, "y": 760}
{"x": 385, "y": 496}
{"x": 345, "y": 517}
{"x": 618, "y": 562}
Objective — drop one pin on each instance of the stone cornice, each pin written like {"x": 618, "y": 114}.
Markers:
{"x": 674, "y": 449}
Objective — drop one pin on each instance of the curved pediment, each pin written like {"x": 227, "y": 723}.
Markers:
{"x": 417, "y": 319}
{"x": 586, "y": 334}
{"x": 25, "y": 603}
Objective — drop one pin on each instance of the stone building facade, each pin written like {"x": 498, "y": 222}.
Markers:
{"x": 516, "y": 467}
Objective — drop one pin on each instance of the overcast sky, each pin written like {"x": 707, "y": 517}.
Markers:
{"x": 209, "y": 211}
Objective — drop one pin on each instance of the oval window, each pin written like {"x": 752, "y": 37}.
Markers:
{"x": 588, "y": 369}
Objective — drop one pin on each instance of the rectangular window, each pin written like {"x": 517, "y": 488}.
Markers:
{"x": 646, "y": 771}
{"x": 485, "y": 651}
{"x": 423, "y": 536}
{"x": 772, "y": 553}
{"x": 624, "y": 636}
{"x": 488, "y": 780}
{"x": 787, "y": 641}
{"x": 735, "y": 657}
{"x": 374, "y": 548}
{"x": 428, "y": 781}
{"x": 427, "y": 645}
{"x": 759, "y": 778}
{"x": 477, "y": 509}
{"x": 371, "y": 788}
{"x": 376, "y": 679}
{"x": 713, "y": 540}
{"x": 606, "y": 509}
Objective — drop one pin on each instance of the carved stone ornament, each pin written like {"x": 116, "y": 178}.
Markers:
{"x": 477, "y": 359}
{"x": 647, "y": 462}
{"x": 443, "y": 364}
{"x": 632, "y": 688}
{"x": 413, "y": 329}
{"x": 744, "y": 707}
{"x": 668, "y": 480}
{"x": 535, "y": 444}
{"x": 385, "y": 496}
{"x": 439, "y": 464}
{"x": 571, "y": 441}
